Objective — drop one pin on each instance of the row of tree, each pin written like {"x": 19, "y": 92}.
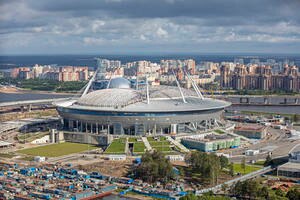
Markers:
{"x": 252, "y": 189}
{"x": 208, "y": 165}
{"x": 154, "y": 167}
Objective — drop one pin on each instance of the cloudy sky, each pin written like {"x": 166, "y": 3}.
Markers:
{"x": 149, "y": 26}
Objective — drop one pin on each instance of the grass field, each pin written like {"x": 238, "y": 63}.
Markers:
{"x": 54, "y": 150}
{"x": 160, "y": 145}
{"x": 6, "y": 155}
{"x": 163, "y": 143}
{"x": 139, "y": 147}
{"x": 219, "y": 131}
{"x": 249, "y": 168}
{"x": 117, "y": 146}
{"x": 163, "y": 148}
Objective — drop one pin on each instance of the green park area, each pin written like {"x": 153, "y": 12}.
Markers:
{"x": 248, "y": 168}
{"x": 55, "y": 150}
{"x": 160, "y": 144}
{"x": 117, "y": 146}
{"x": 138, "y": 145}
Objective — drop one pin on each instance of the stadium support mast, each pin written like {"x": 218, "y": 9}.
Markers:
{"x": 178, "y": 85}
{"x": 194, "y": 85}
{"x": 148, "y": 98}
{"x": 89, "y": 84}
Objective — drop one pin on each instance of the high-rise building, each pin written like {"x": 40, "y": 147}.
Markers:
{"x": 260, "y": 77}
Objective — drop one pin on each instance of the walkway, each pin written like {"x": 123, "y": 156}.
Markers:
{"x": 127, "y": 152}
{"x": 147, "y": 144}
{"x": 178, "y": 144}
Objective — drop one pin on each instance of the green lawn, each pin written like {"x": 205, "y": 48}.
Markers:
{"x": 139, "y": 147}
{"x": 163, "y": 148}
{"x": 219, "y": 131}
{"x": 54, "y": 150}
{"x": 249, "y": 168}
{"x": 132, "y": 139}
{"x": 6, "y": 155}
{"x": 260, "y": 162}
{"x": 163, "y": 143}
{"x": 117, "y": 146}
{"x": 160, "y": 145}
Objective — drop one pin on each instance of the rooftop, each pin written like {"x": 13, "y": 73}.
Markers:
{"x": 211, "y": 137}
{"x": 290, "y": 166}
{"x": 161, "y": 98}
{"x": 250, "y": 127}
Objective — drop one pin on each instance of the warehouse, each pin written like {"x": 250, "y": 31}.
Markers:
{"x": 291, "y": 168}
{"x": 211, "y": 142}
{"x": 251, "y": 131}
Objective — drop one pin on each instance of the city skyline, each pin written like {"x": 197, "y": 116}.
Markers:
{"x": 141, "y": 27}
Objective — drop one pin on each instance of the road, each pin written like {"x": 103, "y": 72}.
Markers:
{"x": 278, "y": 142}
{"x": 39, "y": 101}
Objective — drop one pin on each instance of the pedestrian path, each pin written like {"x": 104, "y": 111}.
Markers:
{"x": 178, "y": 144}
{"x": 147, "y": 144}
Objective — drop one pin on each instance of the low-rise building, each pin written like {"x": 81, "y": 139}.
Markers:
{"x": 291, "y": 168}
{"x": 116, "y": 157}
{"x": 211, "y": 142}
{"x": 251, "y": 131}
{"x": 251, "y": 152}
{"x": 175, "y": 157}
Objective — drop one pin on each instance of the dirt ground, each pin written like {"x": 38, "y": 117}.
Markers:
{"x": 112, "y": 168}
{"x": 8, "y": 89}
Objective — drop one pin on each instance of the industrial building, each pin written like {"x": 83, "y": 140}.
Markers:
{"x": 211, "y": 142}
{"x": 291, "y": 168}
{"x": 251, "y": 131}
{"x": 122, "y": 108}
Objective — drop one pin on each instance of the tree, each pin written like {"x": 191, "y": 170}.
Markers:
{"x": 189, "y": 196}
{"x": 279, "y": 192}
{"x": 154, "y": 167}
{"x": 295, "y": 118}
{"x": 224, "y": 162}
{"x": 268, "y": 160}
{"x": 243, "y": 164}
{"x": 293, "y": 194}
{"x": 247, "y": 189}
{"x": 264, "y": 192}
{"x": 231, "y": 169}
{"x": 208, "y": 165}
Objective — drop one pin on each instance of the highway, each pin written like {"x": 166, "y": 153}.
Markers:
{"x": 39, "y": 101}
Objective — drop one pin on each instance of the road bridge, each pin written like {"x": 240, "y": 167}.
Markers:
{"x": 233, "y": 181}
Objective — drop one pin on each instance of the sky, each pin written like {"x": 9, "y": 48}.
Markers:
{"x": 149, "y": 26}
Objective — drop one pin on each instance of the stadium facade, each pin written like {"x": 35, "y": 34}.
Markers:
{"x": 120, "y": 107}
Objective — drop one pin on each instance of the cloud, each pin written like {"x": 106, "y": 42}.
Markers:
{"x": 161, "y": 33}
{"x": 93, "y": 41}
{"x": 215, "y": 25}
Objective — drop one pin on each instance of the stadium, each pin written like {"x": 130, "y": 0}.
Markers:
{"x": 126, "y": 108}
